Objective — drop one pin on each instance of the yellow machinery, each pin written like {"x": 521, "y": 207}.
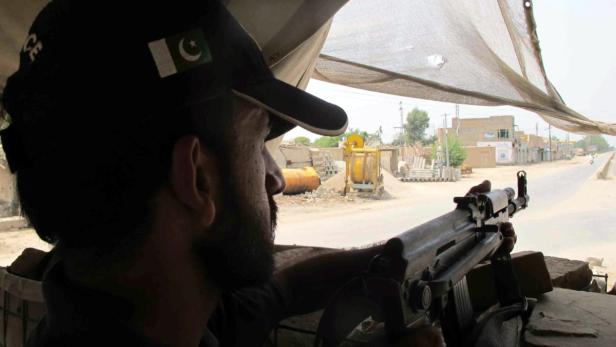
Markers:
{"x": 300, "y": 180}
{"x": 363, "y": 166}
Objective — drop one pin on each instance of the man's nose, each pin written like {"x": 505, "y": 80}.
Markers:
{"x": 274, "y": 181}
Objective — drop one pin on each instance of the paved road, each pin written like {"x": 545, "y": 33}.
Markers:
{"x": 552, "y": 188}
{"x": 571, "y": 227}
{"x": 373, "y": 223}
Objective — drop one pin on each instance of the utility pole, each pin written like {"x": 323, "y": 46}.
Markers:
{"x": 457, "y": 120}
{"x": 537, "y": 129}
{"x": 446, "y": 141}
{"x": 402, "y": 124}
{"x": 401, "y": 127}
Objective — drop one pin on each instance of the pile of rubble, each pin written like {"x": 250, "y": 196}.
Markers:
{"x": 332, "y": 191}
{"x": 318, "y": 196}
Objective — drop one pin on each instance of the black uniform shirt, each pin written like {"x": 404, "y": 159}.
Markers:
{"x": 82, "y": 317}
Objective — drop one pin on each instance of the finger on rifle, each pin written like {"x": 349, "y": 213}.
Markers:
{"x": 506, "y": 246}
{"x": 507, "y": 230}
{"x": 484, "y": 187}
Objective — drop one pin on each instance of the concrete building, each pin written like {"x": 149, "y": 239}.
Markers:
{"x": 510, "y": 147}
{"x": 494, "y": 131}
{"x": 480, "y": 157}
{"x": 537, "y": 147}
{"x": 491, "y": 129}
{"x": 522, "y": 152}
{"x": 565, "y": 150}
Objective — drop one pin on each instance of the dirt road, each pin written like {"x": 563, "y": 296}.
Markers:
{"x": 571, "y": 213}
{"x": 351, "y": 225}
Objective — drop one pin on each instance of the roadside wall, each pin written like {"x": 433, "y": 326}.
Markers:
{"x": 295, "y": 157}
{"x": 336, "y": 153}
{"x": 480, "y": 157}
{"x": 7, "y": 189}
{"x": 389, "y": 161}
{"x": 503, "y": 151}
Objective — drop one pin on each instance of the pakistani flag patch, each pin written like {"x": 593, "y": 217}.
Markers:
{"x": 180, "y": 52}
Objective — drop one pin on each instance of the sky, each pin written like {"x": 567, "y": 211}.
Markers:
{"x": 578, "y": 54}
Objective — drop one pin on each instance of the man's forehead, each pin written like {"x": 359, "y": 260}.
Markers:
{"x": 249, "y": 114}
{"x": 276, "y": 124}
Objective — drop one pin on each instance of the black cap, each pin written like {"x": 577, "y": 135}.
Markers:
{"x": 149, "y": 57}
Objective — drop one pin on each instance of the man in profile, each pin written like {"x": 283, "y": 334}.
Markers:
{"x": 138, "y": 139}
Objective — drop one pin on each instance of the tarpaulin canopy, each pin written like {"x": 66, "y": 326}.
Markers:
{"x": 482, "y": 52}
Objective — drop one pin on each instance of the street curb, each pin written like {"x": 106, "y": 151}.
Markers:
{"x": 604, "y": 173}
{"x": 13, "y": 223}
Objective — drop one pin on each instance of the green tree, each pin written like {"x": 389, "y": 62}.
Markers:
{"x": 417, "y": 121}
{"x": 332, "y": 141}
{"x": 401, "y": 140}
{"x": 429, "y": 140}
{"x": 358, "y": 131}
{"x": 580, "y": 144}
{"x": 457, "y": 154}
{"x": 302, "y": 140}
{"x": 327, "y": 141}
{"x": 593, "y": 140}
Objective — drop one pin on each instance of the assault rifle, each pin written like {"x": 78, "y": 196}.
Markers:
{"x": 420, "y": 275}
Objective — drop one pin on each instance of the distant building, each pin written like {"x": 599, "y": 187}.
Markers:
{"x": 510, "y": 146}
{"x": 470, "y": 131}
{"x": 564, "y": 149}
{"x": 480, "y": 157}
{"x": 494, "y": 131}
{"x": 536, "y": 147}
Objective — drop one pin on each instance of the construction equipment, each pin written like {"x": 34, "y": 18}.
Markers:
{"x": 363, "y": 166}
{"x": 299, "y": 181}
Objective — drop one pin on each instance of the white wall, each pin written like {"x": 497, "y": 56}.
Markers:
{"x": 503, "y": 151}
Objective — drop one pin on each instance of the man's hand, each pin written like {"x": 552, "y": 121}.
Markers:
{"x": 509, "y": 236}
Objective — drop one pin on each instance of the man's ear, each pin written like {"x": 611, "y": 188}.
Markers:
{"x": 193, "y": 178}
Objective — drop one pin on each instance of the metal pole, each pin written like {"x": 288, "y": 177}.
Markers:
{"x": 457, "y": 120}
{"x": 446, "y": 142}
{"x": 402, "y": 125}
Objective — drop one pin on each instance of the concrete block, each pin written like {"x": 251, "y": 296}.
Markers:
{"x": 13, "y": 223}
{"x": 571, "y": 318}
{"x": 569, "y": 274}
{"x": 530, "y": 269}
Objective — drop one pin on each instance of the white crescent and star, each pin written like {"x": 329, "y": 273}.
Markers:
{"x": 186, "y": 55}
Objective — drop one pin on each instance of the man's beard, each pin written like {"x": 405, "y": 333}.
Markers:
{"x": 240, "y": 252}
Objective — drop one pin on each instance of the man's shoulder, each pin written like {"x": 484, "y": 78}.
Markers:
{"x": 248, "y": 314}
{"x": 46, "y": 335}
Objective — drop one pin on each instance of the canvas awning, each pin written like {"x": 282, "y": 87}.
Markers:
{"x": 482, "y": 52}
